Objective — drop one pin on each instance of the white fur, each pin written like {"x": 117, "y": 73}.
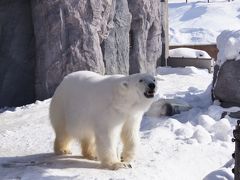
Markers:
{"x": 98, "y": 110}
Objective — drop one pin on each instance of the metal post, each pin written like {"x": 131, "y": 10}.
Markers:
{"x": 236, "y": 155}
{"x": 164, "y": 35}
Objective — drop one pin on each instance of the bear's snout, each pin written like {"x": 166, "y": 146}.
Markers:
{"x": 150, "y": 91}
{"x": 151, "y": 85}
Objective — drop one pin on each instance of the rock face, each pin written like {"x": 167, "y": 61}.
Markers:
{"x": 68, "y": 36}
{"x": 42, "y": 41}
{"x": 145, "y": 35}
{"x": 17, "y": 59}
{"x": 116, "y": 47}
{"x": 227, "y": 83}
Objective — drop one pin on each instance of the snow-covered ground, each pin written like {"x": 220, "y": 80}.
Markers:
{"x": 199, "y": 22}
{"x": 193, "y": 145}
{"x": 187, "y": 146}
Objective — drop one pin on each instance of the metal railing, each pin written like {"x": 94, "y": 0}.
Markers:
{"x": 236, "y": 154}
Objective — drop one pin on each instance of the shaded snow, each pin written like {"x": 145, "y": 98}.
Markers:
{"x": 187, "y": 146}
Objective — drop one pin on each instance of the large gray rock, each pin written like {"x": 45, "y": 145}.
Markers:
{"x": 17, "y": 53}
{"x": 227, "y": 83}
{"x": 116, "y": 47}
{"x": 68, "y": 36}
{"x": 145, "y": 35}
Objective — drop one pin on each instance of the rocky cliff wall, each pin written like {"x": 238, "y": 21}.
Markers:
{"x": 42, "y": 41}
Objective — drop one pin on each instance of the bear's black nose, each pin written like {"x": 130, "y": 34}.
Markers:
{"x": 151, "y": 85}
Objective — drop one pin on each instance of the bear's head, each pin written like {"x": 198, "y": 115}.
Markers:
{"x": 141, "y": 87}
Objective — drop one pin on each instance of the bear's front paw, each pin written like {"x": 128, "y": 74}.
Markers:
{"x": 63, "y": 152}
{"x": 126, "y": 158}
{"x": 118, "y": 165}
{"x": 94, "y": 158}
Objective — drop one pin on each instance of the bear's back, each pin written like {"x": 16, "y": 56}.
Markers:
{"x": 86, "y": 94}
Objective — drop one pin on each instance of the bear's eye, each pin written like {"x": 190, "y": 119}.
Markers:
{"x": 154, "y": 80}
{"x": 140, "y": 80}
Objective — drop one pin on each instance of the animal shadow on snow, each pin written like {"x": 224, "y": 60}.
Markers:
{"x": 48, "y": 160}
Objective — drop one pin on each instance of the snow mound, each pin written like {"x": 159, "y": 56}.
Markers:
{"x": 201, "y": 135}
{"x": 220, "y": 174}
{"x": 184, "y": 132}
{"x": 188, "y": 53}
{"x": 222, "y": 130}
{"x": 206, "y": 121}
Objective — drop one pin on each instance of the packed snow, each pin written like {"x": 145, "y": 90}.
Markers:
{"x": 194, "y": 144}
{"x": 188, "y": 53}
{"x": 199, "y": 22}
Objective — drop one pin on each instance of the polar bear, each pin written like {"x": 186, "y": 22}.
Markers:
{"x": 98, "y": 111}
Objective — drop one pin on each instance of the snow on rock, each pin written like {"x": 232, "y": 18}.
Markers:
{"x": 201, "y": 135}
{"x": 188, "y": 53}
{"x": 228, "y": 44}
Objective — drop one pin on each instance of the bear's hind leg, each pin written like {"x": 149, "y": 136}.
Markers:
{"x": 61, "y": 144}
{"x": 88, "y": 148}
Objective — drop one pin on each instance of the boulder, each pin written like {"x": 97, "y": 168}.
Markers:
{"x": 17, "y": 59}
{"x": 227, "y": 82}
{"x": 226, "y": 77}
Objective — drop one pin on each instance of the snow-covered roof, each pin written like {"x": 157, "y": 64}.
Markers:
{"x": 188, "y": 53}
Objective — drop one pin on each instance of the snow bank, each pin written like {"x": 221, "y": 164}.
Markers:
{"x": 220, "y": 174}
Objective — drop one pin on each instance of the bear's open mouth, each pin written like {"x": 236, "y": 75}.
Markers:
{"x": 149, "y": 94}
